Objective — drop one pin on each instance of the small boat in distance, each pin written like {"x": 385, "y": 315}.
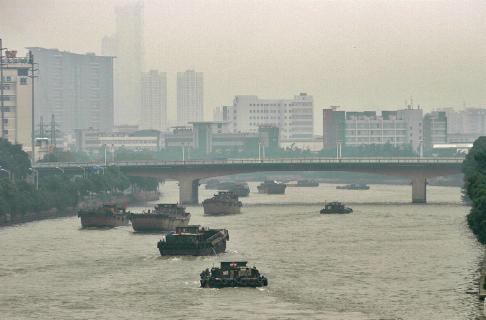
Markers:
{"x": 164, "y": 217}
{"x": 272, "y": 187}
{"x": 240, "y": 188}
{"x": 224, "y": 202}
{"x": 232, "y": 274}
{"x": 354, "y": 186}
{"x": 193, "y": 240}
{"x": 335, "y": 207}
{"x": 106, "y": 216}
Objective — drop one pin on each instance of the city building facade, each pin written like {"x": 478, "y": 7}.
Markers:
{"x": 94, "y": 141}
{"x": 16, "y": 123}
{"x": 435, "y": 129}
{"x": 333, "y": 127}
{"x": 213, "y": 137}
{"x": 294, "y": 117}
{"x": 398, "y": 128}
{"x": 465, "y": 126}
{"x": 154, "y": 100}
{"x": 76, "y": 88}
{"x": 127, "y": 46}
{"x": 190, "y": 95}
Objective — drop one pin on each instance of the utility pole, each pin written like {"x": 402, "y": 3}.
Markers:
{"x": 41, "y": 127}
{"x": 53, "y": 131}
{"x": 1, "y": 88}
{"x": 32, "y": 76}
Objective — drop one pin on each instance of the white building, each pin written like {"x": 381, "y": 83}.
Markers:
{"x": 190, "y": 88}
{"x": 17, "y": 100}
{"x": 93, "y": 141}
{"x": 127, "y": 46}
{"x": 401, "y": 127}
{"x": 294, "y": 117}
{"x": 154, "y": 100}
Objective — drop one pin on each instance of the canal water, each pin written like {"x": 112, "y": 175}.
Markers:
{"x": 387, "y": 260}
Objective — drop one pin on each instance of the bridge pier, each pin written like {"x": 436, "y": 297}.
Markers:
{"x": 419, "y": 189}
{"x": 188, "y": 190}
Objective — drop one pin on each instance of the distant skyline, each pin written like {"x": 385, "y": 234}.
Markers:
{"x": 357, "y": 54}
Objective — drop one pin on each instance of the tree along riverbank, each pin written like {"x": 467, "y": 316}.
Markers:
{"x": 120, "y": 200}
{"x": 60, "y": 194}
{"x": 474, "y": 169}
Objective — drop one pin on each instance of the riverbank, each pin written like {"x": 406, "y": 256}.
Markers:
{"x": 120, "y": 200}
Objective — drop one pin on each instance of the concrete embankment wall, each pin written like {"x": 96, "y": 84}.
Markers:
{"x": 10, "y": 219}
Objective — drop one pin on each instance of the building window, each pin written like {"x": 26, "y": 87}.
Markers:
{"x": 23, "y": 72}
{"x": 23, "y": 81}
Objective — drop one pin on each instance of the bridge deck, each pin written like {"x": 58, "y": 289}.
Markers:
{"x": 281, "y": 161}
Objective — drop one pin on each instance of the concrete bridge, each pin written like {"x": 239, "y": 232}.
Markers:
{"x": 189, "y": 172}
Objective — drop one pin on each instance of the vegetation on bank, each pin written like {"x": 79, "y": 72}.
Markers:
{"x": 474, "y": 169}
{"x": 18, "y": 194}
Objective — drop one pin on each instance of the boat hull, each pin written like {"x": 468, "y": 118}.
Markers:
{"x": 344, "y": 211}
{"x": 103, "y": 221}
{"x": 155, "y": 223}
{"x": 279, "y": 189}
{"x": 232, "y": 283}
{"x": 221, "y": 208}
{"x": 207, "y": 249}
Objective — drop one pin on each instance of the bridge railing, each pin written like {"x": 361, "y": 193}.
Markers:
{"x": 370, "y": 160}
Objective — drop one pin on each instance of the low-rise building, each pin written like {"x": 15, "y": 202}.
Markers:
{"x": 398, "y": 128}
{"x": 213, "y": 137}
{"x": 294, "y": 117}
{"x": 93, "y": 141}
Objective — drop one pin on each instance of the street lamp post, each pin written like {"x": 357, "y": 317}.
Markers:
{"x": 33, "y": 76}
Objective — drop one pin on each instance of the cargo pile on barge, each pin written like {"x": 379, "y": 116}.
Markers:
{"x": 193, "y": 240}
{"x": 224, "y": 202}
{"x": 164, "y": 217}
{"x": 232, "y": 274}
{"x": 106, "y": 216}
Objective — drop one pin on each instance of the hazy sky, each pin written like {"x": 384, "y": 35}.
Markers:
{"x": 357, "y": 54}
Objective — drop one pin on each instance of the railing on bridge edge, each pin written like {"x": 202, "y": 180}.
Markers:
{"x": 370, "y": 160}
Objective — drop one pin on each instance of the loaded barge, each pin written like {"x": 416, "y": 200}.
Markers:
{"x": 107, "y": 216}
{"x": 193, "y": 240}
{"x": 164, "y": 217}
